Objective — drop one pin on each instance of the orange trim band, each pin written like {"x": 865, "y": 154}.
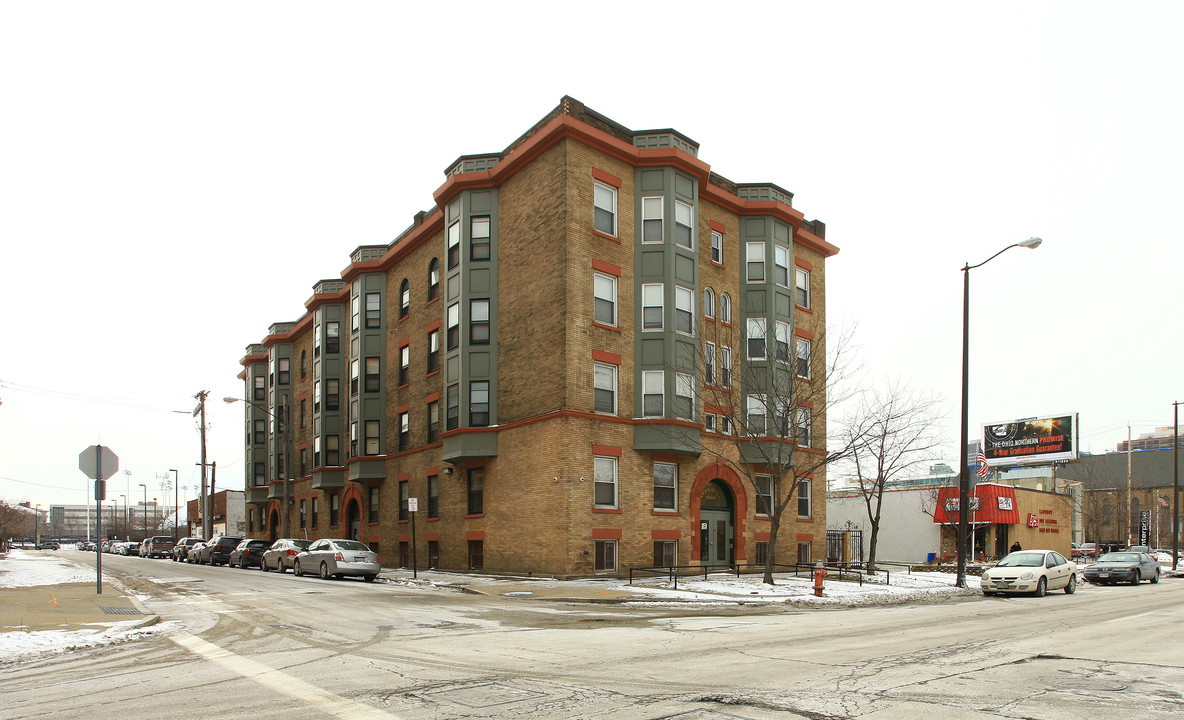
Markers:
{"x": 606, "y": 178}
{"x": 607, "y": 268}
{"x": 606, "y": 357}
{"x": 606, "y": 450}
{"x": 605, "y": 534}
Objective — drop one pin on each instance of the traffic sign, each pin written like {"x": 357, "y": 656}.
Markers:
{"x": 98, "y": 462}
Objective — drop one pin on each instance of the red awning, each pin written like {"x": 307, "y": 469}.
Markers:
{"x": 989, "y": 504}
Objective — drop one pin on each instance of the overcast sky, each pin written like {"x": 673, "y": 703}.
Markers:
{"x": 175, "y": 177}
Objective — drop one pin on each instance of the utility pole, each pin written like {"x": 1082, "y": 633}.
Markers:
{"x": 205, "y": 500}
{"x": 1175, "y": 485}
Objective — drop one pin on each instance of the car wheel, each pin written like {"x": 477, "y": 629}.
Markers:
{"x": 263, "y": 564}
{"x": 1155, "y": 577}
{"x": 279, "y": 567}
{"x": 1072, "y": 586}
{"x": 369, "y": 578}
{"x": 242, "y": 564}
{"x": 296, "y": 569}
{"x": 1041, "y": 587}
{"x": 325, "y": 571}
{"x": 1136, "y": 578}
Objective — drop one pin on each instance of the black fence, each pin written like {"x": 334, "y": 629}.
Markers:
{"x": 844, "y": 571}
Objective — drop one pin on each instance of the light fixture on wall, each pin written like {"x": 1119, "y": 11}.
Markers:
{"x": 447, "y": 471}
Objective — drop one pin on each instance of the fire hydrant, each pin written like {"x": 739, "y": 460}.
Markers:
{"x": 819, "y": 576}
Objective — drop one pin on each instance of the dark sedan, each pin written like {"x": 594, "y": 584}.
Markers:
{"x": 1116, "y": 567}
{"x": 247, "y": 554}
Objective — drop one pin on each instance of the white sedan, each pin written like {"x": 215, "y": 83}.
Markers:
{"x": 334, "y": 558}
{"x": 1031, "y": 571}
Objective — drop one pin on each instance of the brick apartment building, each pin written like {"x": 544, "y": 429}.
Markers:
{"x": 525, "y": 363}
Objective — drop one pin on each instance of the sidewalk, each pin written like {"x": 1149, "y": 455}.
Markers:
{"x": 69, "y": 607}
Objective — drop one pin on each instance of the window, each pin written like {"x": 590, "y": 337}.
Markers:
{"x": 260, "y": 473}
{"x": 332, "y": 450}
{"x": 404, "y": 298}
{"x": 433, "y": 496}
{"x": 605, "y": 299}
{"x": 454, "y": 245}
{"x": 802, "y": 427}
{"x": 781, "y": 265}
{"x": 479, "y": 322}
{"x": 479, "y": 238}
{"x": 756, "y": 414}
{"x": 804, "y": 553}
{"x": 762, "y": 552}
{"x": 316, "y": 338}
{"x": 303, "y": 364}
{"x": 476, "y": 504}
{"x": 332, "y": 394}
{"x": 285, "y": 371}
{"x": 725, "y": 424}
{"x": 334, "y": 509}
{"x": 260, "y": 388}
{"x": 479, "y": 403}
{"x": 653, "y": 393}
{"x": 354, "y": 368}
{"x": 433, "y": 351}
{"x": 372, "y": 514}
{"x": 605, "y": 391}
{"x": 665, "y": 553}
{"x": 353, "y": 439}
{"x": 803, "y": 288}
{"x": 725, "y": 367}
{"x": 708, "y": 303}
{"x": 781, "y": 335}
{"x": 372, "y": 436}
{"x": 316, "y": 451}
{"x": 404, "y": 495}
{"x": 764, "y": 494}
{"x": 433, "y": 421}
{"x": 373, "y": 378}
{"x": 709, "y": 364}
{"x": 709, "y": 422}
{"x": 453, "y": 326}
{"x": 302, "y": 515}
{"x": 476, "y": 554}
{"x": 606, "y": 555}
{"x": 605, "y": 219}
{"x": 452, "y": 408}
{"x": 684, "y": 398}
{"x": 374, "y": 308}
{"x": 316, "y": 507}
{"x": 684, "y": 310}
{"x": 333, "y": 337}
{"x": 717, "y": 248}
{"x": 651, "y": 220}
{"x": 605, "y": 482}
{"x": 355, "y": 313}
{"x": 684, "y": 220}
{"x": 433, "y": 279}
{"x": 725, "y": 308}
{"x": 303, "y": 461}
{"x": 404, "y": 364}
{"x": 756, "y": 262}
{"x": 651, "y": 306}
{"x": 803, "y": 354}
{"x": 665, "y": 486}
{"x": 756, "y": 338}
{"x": 260, "y": 432}
{"x": 804, "y": 497}
{"x": 404, "y": 430}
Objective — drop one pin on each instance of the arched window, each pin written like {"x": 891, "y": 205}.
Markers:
{"x": 433, "y": 280}
{"x": 404, "y": 298}
{"x": 725, "y": 308}
{"x": 708, "y": 303}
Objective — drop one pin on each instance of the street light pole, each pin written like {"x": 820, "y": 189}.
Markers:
{"x": 963, "y": 468}
{"x": 145, "y": 511}
{"x": 176, "y": 504}
{"x": 126, "y": 534}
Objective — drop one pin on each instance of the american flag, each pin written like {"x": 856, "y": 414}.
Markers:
{"x": 1163, "y": 501}
{"x": 983, "y": 468}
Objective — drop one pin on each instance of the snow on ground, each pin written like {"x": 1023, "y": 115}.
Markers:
{"x": 21, "y": 569}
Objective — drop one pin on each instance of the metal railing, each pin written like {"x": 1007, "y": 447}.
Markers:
{"x": 845, "y": 571}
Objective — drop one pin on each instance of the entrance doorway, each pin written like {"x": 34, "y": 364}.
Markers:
{"x": 354, "y": 513}
{"x": 273, "y": 525}
{"x": 716, "y": 514}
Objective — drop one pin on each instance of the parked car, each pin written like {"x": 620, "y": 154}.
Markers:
{"x": 48, "y": 545}
{"x": 247, "y": 553}
{"x": 183, "y": 546}
{"x": 1139, "y": 549}
{"x": 1123, "y": 567}
{"x": 130, "y": 548}
{"x": 157, "y": 546}
{"x": 335, "y": 558}
{"x": 282, "y": 552}
{"x": 1085, "y": 550}
{"x": 217, "y": 550}
{"x": 1031, "y": 571}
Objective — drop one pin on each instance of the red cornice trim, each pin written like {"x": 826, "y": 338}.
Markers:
{"x": 606, "y": 357}
{"x": 606, "y": 267}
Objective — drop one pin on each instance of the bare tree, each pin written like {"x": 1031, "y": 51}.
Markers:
{"x": 771, "y": 416}
{"x": 890, "y": 433}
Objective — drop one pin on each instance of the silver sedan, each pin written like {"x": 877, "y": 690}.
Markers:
{"x": 335, "y": 558}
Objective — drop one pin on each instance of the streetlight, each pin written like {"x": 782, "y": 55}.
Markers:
{"x": 145, "y": 511}
{"x": 176, "y": 503}
{"x": 126, "y": 532}
{"x": 287, "y": 429}
{"x": 963, "y": 469}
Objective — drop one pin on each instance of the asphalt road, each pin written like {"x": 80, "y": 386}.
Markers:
{"x": 246, "y": 644}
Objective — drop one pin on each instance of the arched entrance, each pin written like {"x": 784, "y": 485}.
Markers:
{"x": 354, "y": 513}
{"x": 716, "y": 525}
{"x": 273, "y": 524}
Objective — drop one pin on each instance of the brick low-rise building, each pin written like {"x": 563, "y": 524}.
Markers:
{"x": 526, "y": 363}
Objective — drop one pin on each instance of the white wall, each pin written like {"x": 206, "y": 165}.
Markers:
{"x": 907, "y": 531}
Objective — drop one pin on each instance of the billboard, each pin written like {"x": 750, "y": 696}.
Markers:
{"x": 1031, "y": 441}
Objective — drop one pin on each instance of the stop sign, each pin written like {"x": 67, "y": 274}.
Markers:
{"x": 98, "y": 462}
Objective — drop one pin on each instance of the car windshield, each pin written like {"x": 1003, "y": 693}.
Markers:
{"x": 351, "y": 545}
{"x": 1119, "y": 557}
{"x": 1023, "y": 559}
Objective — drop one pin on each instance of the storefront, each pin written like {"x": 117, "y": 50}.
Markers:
{"x": 1001, "y": 515}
